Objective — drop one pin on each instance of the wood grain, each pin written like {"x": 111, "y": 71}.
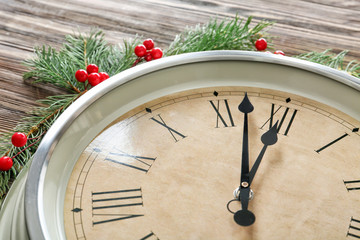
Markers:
{"x": 301, "y": 26}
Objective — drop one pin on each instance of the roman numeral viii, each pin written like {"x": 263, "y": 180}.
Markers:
{"x": 111, "y": 206}
{"x": 139, "y": 163}
{"x": 286, "y": 118}
{"x": 229, "y": 119}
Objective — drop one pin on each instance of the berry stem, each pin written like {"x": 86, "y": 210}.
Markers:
{"x": 27, "y": 147}
{"x": 136, "y": 61}
{"x": 73, "y": 87}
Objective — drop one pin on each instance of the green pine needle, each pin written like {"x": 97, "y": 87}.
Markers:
{"x": 224, "y": 35}
{"x": 332, "y": 60}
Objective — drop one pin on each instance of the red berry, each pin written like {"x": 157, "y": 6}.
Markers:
{"x": 279, "y": 52}
{"x": 149, "y": 44}
{"x": 156, "y": 53}
{"x": 5, "y": 163}
{"x": 94, "y": 79}
{"x": 148, "y": 57}
{"x": 103, "y": 76}
{"x": 19, "y": 139}
{"x": 140, "y": 50}
{"x": 81, "y": 75}
{"x": 92, "y": 68}
{"x": 261, "y": 44}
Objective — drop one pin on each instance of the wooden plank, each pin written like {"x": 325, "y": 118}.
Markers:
{"x": 301, "y": 26}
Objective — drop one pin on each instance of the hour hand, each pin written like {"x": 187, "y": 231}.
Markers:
{"x": 268, "y": 138}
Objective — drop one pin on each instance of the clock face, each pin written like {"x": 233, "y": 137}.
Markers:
{"x": 168, "y": 169}
{"x": 158, "y": 151}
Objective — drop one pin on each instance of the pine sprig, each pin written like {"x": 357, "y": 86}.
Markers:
{"x": 58, "y": 68}
{"x": 332, "y": 60}
{"x": 224, "y": 35}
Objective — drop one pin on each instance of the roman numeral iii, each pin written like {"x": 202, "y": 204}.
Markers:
{"x": 354, "y": 228}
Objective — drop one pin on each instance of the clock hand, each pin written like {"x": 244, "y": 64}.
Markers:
{"x": 268, "y": 138}
{"x": 244, "y": 217}
{"x": 245, "y": 107}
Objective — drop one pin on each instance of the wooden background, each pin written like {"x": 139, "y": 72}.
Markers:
{"x": 301, "y": 26}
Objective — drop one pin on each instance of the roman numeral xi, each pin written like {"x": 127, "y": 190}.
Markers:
{"x": 223, "y": 116}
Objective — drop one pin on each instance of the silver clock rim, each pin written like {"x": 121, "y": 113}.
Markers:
{"x": 36, "y": 224}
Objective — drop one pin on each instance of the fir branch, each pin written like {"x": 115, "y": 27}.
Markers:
{"x": 332, "y": 60}
{"x": 35, "y": 126}
{"x": 58, "y": 68}
{"x": 225, "y": 35}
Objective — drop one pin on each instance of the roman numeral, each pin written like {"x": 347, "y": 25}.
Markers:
{"x": 331, "y": 143}
{"x": 336, "y": 140}
{"x": 112, "y": 206}
{"x": 352, "y": 185}
{"x": 172, "y": 131}
{"x": 150, "y": 236}
{"x": 354, "y": 228}
{"x": 220, "y": 117}
{"x": 286, "y": 114}
{"x": 138, "y": 162}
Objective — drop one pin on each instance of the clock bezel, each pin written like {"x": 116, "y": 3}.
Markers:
{"x": 36, "y": 218}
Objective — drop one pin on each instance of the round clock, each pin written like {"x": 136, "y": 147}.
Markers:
{"x": 210, "y": 145}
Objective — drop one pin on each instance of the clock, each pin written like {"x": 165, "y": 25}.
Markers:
{"x": 209, "y": 145}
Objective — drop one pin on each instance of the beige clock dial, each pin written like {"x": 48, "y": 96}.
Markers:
{"x": 168, "y": 168}
{"x": 156, "y": 152}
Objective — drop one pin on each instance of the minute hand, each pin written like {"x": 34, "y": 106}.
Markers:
{"x": 268, "y": 138}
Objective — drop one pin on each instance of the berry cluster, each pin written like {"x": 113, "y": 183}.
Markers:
{"x": 91, "y": 74}
{"x": 147, "y": 51}
{"x": 261, "y": 45}
{"x": 18, "y": 139}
